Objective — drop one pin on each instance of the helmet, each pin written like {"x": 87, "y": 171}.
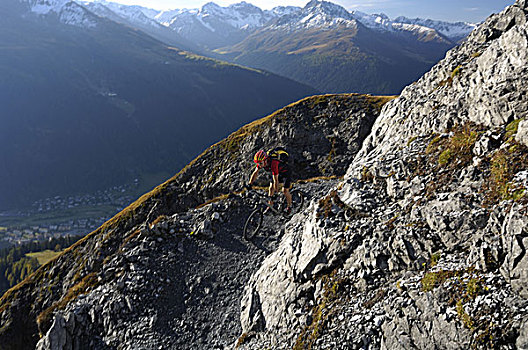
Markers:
{"x": 260, "y": 156}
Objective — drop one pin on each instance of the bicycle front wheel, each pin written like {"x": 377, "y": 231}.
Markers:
{"x": 253, "y": 224}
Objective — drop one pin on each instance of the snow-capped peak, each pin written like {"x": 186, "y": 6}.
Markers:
{"x": 167, "y": 16}
{"x": 43, "y": 7}
{"x": 321, "y": 7}
{"x": 428, "y": 27}
{"x": 76, "y": 15}
{"x": 211, "y": 7}
{"x": 316, "y": 14}
{"x": 68, "y": 11}
{"x": 245, "y": 17}
{"x": 283, "y": 11}
{"x": 455, "y": 31}
{"x": 134, "y": 13}
{"x": 241, "y": 15}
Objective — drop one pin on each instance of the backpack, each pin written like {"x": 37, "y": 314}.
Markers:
{"x": 280, "y": 154}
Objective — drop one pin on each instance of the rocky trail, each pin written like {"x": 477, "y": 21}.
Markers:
{"x": 177, "y": 283}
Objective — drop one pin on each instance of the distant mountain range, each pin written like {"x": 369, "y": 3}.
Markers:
{"x": 87, "y": 103}
{"x": 321, "y": 44}
{"x": 227, "y": 25}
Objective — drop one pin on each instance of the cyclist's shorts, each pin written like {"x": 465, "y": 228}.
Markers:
{"x": 285, "y": 178}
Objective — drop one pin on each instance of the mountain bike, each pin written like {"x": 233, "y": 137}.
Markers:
{"x": 263, "y": 207}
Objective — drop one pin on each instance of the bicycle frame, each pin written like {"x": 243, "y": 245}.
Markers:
{"x": 264, "y": 200}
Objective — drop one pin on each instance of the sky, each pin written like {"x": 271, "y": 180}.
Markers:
{"x": 450, "y": 10}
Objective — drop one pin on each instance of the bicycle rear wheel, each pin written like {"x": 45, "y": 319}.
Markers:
{"x": 253, "y": 224}
{"x": 297, "y": 200}
{"x": 297, "y": 203}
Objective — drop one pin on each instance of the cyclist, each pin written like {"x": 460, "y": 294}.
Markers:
{"x": 276, "y": 162}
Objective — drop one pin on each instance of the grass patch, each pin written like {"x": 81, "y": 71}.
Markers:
{"x": 242, "y": 340}
{"x": 128, "y": 239}
{"x": 456, "y": 72}
{"x": 464, "y": 286}
{"x": 432, "y": 280}
{"x": 503, "y": 165}
{"x": 320, "y": 178}
{"x": 511, "y": 130}
{"x": 332, "y": 286}
{"x": 390, "y": 223}
{"x": 434, "y": 259}
{"x": 332, "y": 152}
{"x": 379, "y": 101}
{"x": 445, "y": 156}
{"x": 366, "y": 175}
{"x": 44, "y": 256}
{"x": 411, "y": 139}
{"x": 319, "y": 100}
{"x": 456, "y": 150}
{"x": 449, "y": 80}
{"x": 463, "y": 316}
{"x": 446, "y": 82}
{"x": 214, "y": 200}
{"x": 158, "y": 220}
{"x": 379, "y": 296}
{"x": 433, "y": 144}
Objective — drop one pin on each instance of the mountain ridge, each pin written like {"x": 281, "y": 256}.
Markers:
{"x": 427, "y": 212}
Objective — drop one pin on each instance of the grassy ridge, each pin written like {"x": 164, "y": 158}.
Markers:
{"x": 47, "y": 289}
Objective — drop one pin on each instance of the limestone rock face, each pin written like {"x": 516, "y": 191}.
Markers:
{"x": 515, "y": 240}
{"x": 522, "y": 132}
{"x": 271, "y": 297}
{"x": 481, "y": 81}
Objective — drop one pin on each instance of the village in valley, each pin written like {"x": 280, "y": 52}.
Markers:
{"x": 61, "y": 216}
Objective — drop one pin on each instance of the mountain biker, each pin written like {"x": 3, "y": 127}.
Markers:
{"x": 280, "y": 173}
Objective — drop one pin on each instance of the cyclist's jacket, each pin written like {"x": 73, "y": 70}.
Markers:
{"x": 278, "y": 163}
